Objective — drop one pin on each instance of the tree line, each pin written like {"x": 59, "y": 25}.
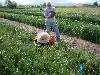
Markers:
{"x": 13, "y": 4}
{"x": 9, "y": 4}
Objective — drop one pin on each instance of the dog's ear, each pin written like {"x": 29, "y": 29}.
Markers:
{"x": 35, "y": 40}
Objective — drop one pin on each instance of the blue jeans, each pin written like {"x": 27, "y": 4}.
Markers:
{"x": 54, "y": 26}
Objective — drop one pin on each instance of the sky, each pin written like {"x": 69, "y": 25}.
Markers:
{"x": 35, "y": 2}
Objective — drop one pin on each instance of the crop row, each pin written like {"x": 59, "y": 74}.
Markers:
{"x": 26, "y": 12}
{"x": 85, "y": 31}
{"x": 86, "y": 18}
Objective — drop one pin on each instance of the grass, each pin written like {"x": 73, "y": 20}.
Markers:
{"x": 80, "y": 9}
{"x": 19, "y": 56}
{"x": 84, "y": 10}
{"x": 87, "y": 10}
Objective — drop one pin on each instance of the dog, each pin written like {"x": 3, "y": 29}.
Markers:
{"x": 52, "y": 39}
{"x": 43, "y": 38}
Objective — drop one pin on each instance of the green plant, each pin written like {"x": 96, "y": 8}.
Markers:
{"x": 73, "y": 24}
{"x": 19, "y": 56}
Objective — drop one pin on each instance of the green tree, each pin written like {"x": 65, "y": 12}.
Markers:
{"x": 7, "y": 2}
{"x": 95, "y": 4}
{"x": 14, "y": 4}
{"x": 44, "y": 4}
{"x": 10, "y": 4}
{"x": 0, "y": 4}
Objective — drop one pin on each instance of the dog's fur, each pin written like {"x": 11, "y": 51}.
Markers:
{"x": 52, "y": 39}
{"x": 44, "y": 38}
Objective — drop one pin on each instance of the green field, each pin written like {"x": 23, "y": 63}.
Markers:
{"x": 81, "y": 25}
{"x": 87, "y": 10}
{"x": 19, "y": 56}
{"x": 90, "y": 10}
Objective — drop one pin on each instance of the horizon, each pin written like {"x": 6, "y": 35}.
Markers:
{"x": 54, "y": 2}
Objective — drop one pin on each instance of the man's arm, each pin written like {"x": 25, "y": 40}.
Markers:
{"x": 45, "y": 13}
{"x": 54, "y": 11}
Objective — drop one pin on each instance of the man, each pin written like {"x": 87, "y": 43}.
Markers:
{"x": 49, "y": 14}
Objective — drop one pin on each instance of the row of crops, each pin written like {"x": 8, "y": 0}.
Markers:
{"x": 23, "y": 11}
{"x": 86, "y": 18}
{"x": 19, "y": 56}
{"x": 80, "y": 25}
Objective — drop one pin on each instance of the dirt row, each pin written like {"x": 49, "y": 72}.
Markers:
{"x": 72, "y": 41}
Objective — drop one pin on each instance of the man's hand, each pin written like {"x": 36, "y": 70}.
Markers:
{"x": 52, "y": 14}
{"x": 49, "y": 15}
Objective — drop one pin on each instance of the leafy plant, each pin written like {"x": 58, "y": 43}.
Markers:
{"x": 19, "y": 56}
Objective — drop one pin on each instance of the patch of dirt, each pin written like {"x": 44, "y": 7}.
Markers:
{"x": 72, "y": 41}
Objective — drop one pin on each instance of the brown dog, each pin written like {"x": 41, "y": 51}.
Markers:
{"x": 44, "y": 38}
{"x": 52, "y": 39}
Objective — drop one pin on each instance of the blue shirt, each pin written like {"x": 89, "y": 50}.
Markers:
{"x": 46, "y": 12}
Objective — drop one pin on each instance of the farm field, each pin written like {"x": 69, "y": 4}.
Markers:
{"x": 19, "y": 55}
{"x": 81, "y": 25}
{"x": 87, "y": 10}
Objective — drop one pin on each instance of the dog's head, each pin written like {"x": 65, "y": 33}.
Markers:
{"x": 42, "y": 37}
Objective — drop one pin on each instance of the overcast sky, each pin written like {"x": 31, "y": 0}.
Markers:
{"x": 53, "y": 1}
